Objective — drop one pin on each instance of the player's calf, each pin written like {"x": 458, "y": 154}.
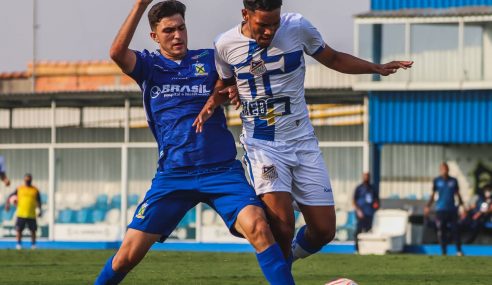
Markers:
{"x": 319, "y": 230}
{"x": 133, "y": 249}
{"x": 252, "y": 224}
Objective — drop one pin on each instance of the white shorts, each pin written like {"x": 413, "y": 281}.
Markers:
{"x": 295, "y": 166}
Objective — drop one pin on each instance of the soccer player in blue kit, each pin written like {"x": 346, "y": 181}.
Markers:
{"x": 192, "y": 167}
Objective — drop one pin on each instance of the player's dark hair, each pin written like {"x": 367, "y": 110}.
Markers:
{"x": 165, "y": 9}
{"x": 265, "y": 5}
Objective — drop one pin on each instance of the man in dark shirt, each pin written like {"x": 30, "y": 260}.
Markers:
{"x": 446, "y": 210}
{"x": 366, "y": 202}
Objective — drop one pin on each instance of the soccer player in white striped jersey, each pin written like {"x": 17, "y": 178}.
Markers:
{"x": 264, "y": 57}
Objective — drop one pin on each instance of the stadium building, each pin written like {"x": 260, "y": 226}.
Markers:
{"x": 438, "y": 111}
{"x": 84, "y": 137}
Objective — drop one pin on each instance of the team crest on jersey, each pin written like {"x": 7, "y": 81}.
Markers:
{"x": 269, "y": 172}
{"x": 257, "y": 67}
{"x": 200, "y": 69}
{"x": 141, "y": 211}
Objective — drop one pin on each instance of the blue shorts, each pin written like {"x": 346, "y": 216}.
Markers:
{"x": 173, "y": 193}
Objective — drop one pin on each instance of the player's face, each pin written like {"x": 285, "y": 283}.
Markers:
{"x": 172, "y": 37}
{"x": 28, "y": 180}
{"x": 263, "y": 25}
{"x": 444, "y": 170}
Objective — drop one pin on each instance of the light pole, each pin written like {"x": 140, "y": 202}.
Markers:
{"x": 34, "y": 43}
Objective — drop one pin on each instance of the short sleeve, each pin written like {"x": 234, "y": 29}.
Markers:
{"x": 224, "y": 69}
{"x": 143, "y": 67}
{"x": 311, "y": 39}
{"x": 356, "y": 193}
{"x": 434, "y": 186}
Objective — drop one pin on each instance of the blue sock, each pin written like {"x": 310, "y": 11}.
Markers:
{"x": 301, "y": 247}
{"x": 274, "y": 266}
{"x": 108, "y": 276}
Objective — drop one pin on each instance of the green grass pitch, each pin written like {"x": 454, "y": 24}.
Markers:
{"x": 81, "y": 267}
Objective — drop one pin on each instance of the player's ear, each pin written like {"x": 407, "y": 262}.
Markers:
{"x": 153, "y": 35}
{"x": 244, "y": 12}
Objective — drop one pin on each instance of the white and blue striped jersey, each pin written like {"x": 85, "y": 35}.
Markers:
{"x": 271, "y": 80}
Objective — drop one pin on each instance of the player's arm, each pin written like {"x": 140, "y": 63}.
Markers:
{"x": 358, "y": 211}
{"x": 38, "y": 200}
{"x": 120, "y": 53}
{"x": 346, "y": 63}
{"x": 5, "y": 179}
{"x": 460, "y": 199}
{"x": 431, "y": 201}
{"x": 224, "y": 90}
{"x": 7, "y": 203}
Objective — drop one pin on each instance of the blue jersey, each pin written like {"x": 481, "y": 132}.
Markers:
{"x": 446, "y": 188}
{"x": 364, "y": 198}
{"x": 173, "y": 96}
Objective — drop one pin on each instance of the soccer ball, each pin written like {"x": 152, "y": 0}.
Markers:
{"x": 341, "y": 281}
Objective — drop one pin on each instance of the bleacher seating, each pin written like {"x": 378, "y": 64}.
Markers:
{"x": 387, "y": 234}
{"x": 347, "y": 230}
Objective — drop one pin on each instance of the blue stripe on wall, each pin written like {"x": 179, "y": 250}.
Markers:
{"x": 456, "y": 117}
{"x": 333, "y": 248}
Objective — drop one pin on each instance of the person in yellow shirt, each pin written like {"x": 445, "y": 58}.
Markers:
{"x": 28, "y": 198}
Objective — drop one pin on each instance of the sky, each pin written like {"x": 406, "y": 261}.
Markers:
{"x": 84, "y": 29}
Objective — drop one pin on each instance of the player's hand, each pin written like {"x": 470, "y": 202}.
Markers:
{"x": 392, "y": 67}
{"x": 359, "y": 213}
{"x": 426, "y": 211}
{"x": 204, "y": 115}
{"x": 233, "y": 94}
{"x": 7, "y": 182}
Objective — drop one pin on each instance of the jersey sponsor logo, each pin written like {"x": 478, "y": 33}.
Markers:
{"x": 257, "y": 67}
{"x": 200, "y": 69}
{"x": 141, "y": 211}
{"x": 327, "y": 189}
{"x": 267, "y": 109}
{"x": 198, "y": 56}
{"x": 269, "y": 172}
{"x": 168, "y": 90}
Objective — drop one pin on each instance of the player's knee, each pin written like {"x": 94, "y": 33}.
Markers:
{"x": 325, "y": 234}
{"x": 259, "y": 229}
